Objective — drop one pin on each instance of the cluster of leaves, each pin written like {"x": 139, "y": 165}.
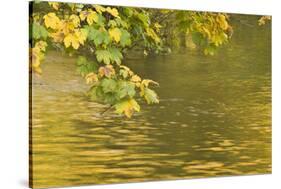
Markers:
{"x": 119, "y": 87}
{"x": 104, "y": 33}
{"x": 205, "y": 30}
{"x": 100, "y": 36}
{"x": 263, "y": 20}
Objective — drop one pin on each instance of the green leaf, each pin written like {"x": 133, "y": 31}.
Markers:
{"x": 109, "y": 98}
{"x": 144, "y": 19}
{"x": 101, "y": 20}
{"x": 108, "y": 85}
{"x": 103, "y": 56}
{"x": 92, "y": 93}
{"x": 125, "y": 39}
{"x": 150, "y": 96}
{"x": 115, "y": 55}
{"x": 121, "y": 23}
{"x": 126, "y": 88}
{"x": 38, "y": 31}
{"x": 98, "y": 36}
{"x": 127, "y": 106}
{"x": 85, "y": 66}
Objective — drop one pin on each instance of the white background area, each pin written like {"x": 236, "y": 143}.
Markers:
{"x": 14, "y": 93}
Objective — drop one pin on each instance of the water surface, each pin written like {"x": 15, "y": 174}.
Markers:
{"x": 213, "y": 119}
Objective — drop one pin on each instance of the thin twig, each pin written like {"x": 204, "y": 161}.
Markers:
{"x": 106, "y": 110}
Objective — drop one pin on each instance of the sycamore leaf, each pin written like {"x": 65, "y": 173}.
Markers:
{"x": 52, "y": 21}
{"x": 128, "y": 70}
{"x": 75, "y": 20}
{"x": 36, "y": 56}
{"x": 41, "y": 45}
{"x": 106, "y": 71}
{"x": 115, "y": 34}
{"x": 39, "y": 31}
{"x": 135, "y": 79}
{"x": 99, "y": 36}
{"x": 58, "y": 37}
{"x": 103, "y": 56}
{"x": 125, "y": 39}
{"x": 108, "y": 85}
{"x": 91, "y": 78}
{"x": 149, "y": 95}
{"x": 112, "y": 23}
{"x": 115, "y": 55}
{"x": 113, "y": 12}
{"x": 146, "y": 82}
{"x": 99, "y": 9}
{"x": 90, "y": 15}
{"x": 75, "y": 39}
{"x": 126, "y": 88}
{"x": 263, "y": 20}
{"x": 127, "y": 106}
{"x": 85, "y": 66}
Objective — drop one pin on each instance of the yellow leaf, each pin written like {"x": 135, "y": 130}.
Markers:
{"x": 82, "y": 36}
{"x": 99, "y": 9}
{"x": 36, "y": 56}
{"x": 222, "y": 21}
{"x": 263, "y": 20}
{"x": 115, "y": 34}
{"x": 57, "y": 36}
{"x": 90, "y": 15}
{"x": 83, "y": 15}
{"x": 127, "y": 69}
{"x": 41, "y": 45}
{"x": 135, "y": 79}
{"x": 91, "y": 78}
{"x": 74, "y": 39}
{"x": 127, "y": 107}
{"x": 75, "y": 20}
{"x": 146, "y": 82}
{"x": 51, "y": 21}
{"x": 151, "y": 33}
{"x": 55, "y": 5}
{"x": 113, "y": 12}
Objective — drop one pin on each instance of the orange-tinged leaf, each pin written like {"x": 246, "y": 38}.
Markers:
{"x": 106, "y": 71}
{"x": 91, "y": 78}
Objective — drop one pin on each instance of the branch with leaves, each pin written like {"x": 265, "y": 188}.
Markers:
{"x": 99, "y": 36}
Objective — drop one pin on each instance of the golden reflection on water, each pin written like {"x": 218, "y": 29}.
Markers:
{"x": 214, "y": 119}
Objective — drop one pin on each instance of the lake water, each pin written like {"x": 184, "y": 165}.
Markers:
{"x": 213, "y": 119}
